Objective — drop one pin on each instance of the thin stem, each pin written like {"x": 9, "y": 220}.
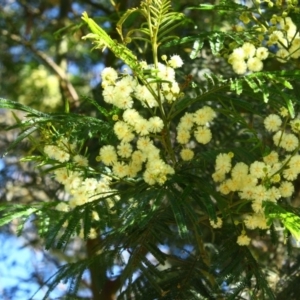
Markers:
{"x": 166, "y": 138}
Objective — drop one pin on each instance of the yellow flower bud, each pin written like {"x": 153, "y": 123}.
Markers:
{"x": 231, "y": 154}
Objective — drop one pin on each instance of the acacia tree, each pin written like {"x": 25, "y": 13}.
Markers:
{"x": 186, "y": 180}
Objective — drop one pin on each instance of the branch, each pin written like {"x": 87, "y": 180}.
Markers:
{"x": 101, "y": 290}
{"x": 48, "y": 61}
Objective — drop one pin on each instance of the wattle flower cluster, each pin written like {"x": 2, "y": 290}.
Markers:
{"x": 196, "y": 124}
{"x": 280, "y": 35}
{"x": 120, "y": 91}
{"x": 285, "y": 36}
{"x": 267, "y": 180}
{"x": 80, "y": 189}
{"x": 248, "y": 58}
{"x": 138, "y": 152}
{"x": 125, "y": 161}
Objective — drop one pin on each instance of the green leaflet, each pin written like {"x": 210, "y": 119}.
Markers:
{"x": 197, "y": 46}
{"x": 203, "y": 7}
{"x": 26, "y": 133}
{"x": 19, "y": 212}
{"x": 290, "y": 221}
{"x": 8, "y": 104}
{"x": 120, "y": 23}
{"x": 13, "y": 211}
{"x": 216, "y": 41}
{"x": 177, "y": 205}
{"x": 102, "y": 40}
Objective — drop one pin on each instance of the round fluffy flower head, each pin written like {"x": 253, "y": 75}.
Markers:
{"x": 239, "y": 67}
{"x": 50, "y": 150}
{"x": 237, "y": 54}
{"x": 175, "y": 62}
{"x": 186, "y": 122}
{"x": 295, "y": 125}
{"x": 90, "y": 184}
{"x": 124, "y": 87}
{"x": 144, "y": 143}
{"x": 143, "y": 94}
{"x": 258, "y": 169}
{"x": 62, "y": 175}
{"x": 282, "y": 55}
{"x": 218, "y": 176}
{"x": 183, "y": 136}
{"x": 257, "y": 220}
{"x": 283, "y": 111}
{"x": 216, "y": 223}
{"x": 203, "y": 135}
{"x": 131, "y": 116}
{"x": 243, "y": 240}
{"x": 224, "y": 188}
{"x": 165, "y": 72}
{"x": 239, "y": 171}
{"x": 74, "y": 181}
{"x": 286, "y": 189}
{"x": 223, "y": 162}
{"x": 157, "y": 171}
{"x": 123, "y": 132}
{"x": 109, "y": 94}
{"x": 271, "y": 158}
{"x": 142, "y": 126}
{"x": 262, "y": 53}
{"x": 290, "y": 174}
{"x": 138, "y": 157}
{"x": 155, "y": 124}
{"x": 187, "y": 154}
{"x": 289, "y": 142}
{"x": 81, "y": 160}
{"x": 249, "y": 50}
{"x": 124, "y": 150}
{"x": 204, "y": 115}
{"x": 254, "y": 64}
{"x": 295, "y": 162}
{"x": 56, "y": 153}
{"x": 288, "y": 25}
{"x": 123, "y": 102}
{"x": 295, "y": 48}
{"x": 108, "y": 155}
{"x": 274, "y": 37}
{"x": 272, "y": 122}
{"x": 109, "y": 74}
{"x": 120, "y": 169}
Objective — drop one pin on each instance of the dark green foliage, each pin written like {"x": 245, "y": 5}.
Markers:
{"x": 160, "y": 236}
{"x": 150, "y": 217}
